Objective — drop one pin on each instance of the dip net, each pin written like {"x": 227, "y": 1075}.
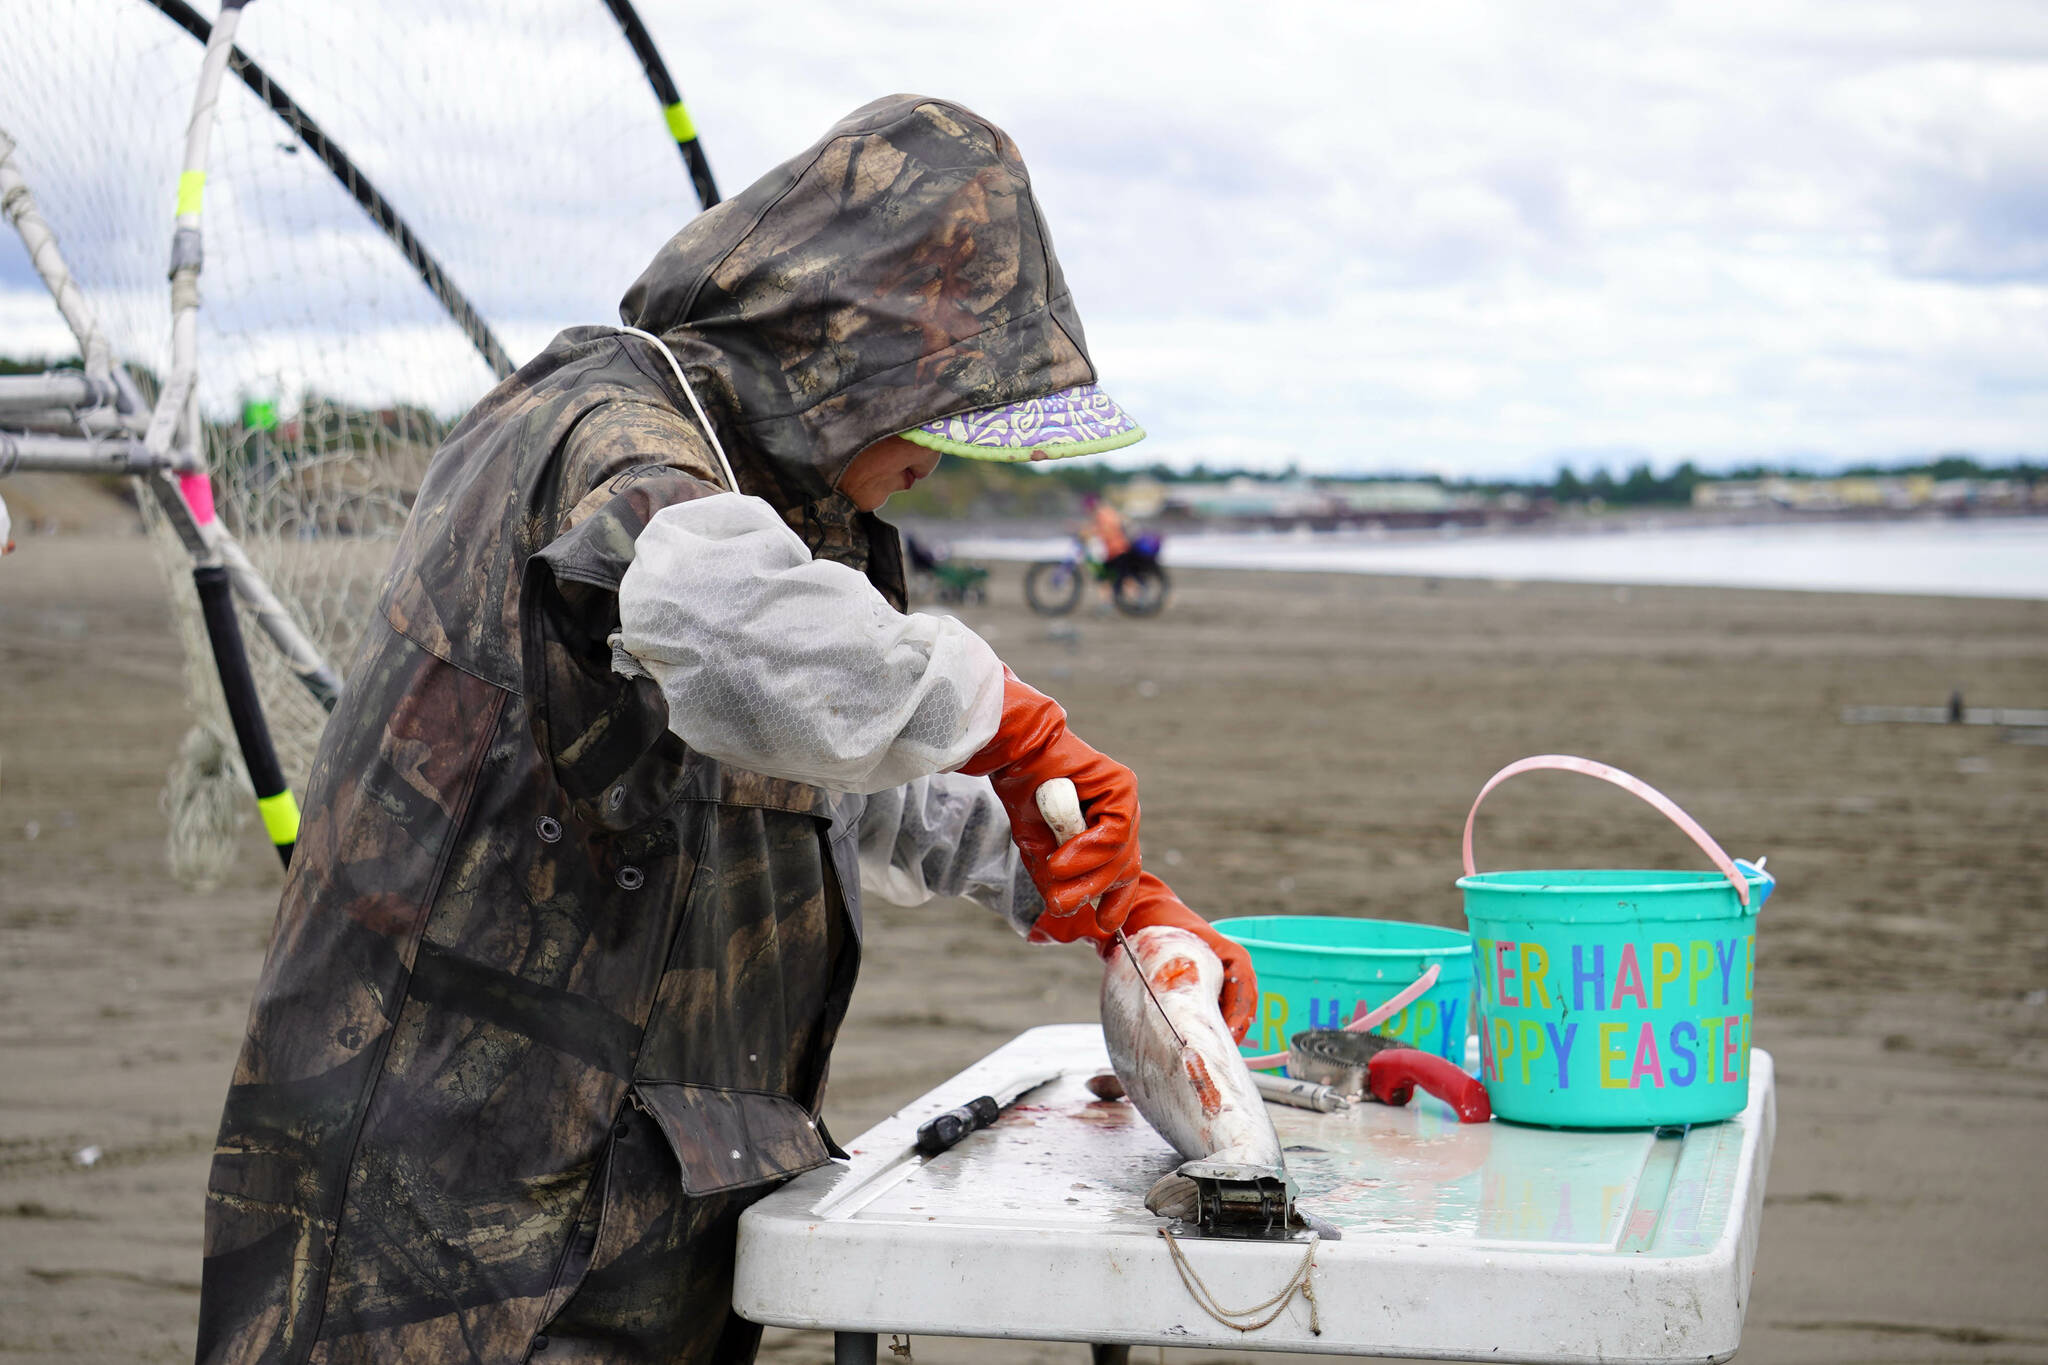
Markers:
{"x": 526, "y": 154}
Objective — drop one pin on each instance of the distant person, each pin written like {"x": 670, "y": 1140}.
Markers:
{"x": 1106, "y": 525}
{"x": 1111, "y": 541}
{"x": 6, "y": 530}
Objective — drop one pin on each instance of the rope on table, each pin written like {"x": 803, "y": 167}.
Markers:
{"x": 1302, "y": 1283}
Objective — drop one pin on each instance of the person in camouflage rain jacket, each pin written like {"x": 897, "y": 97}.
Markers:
{"x": 551, "y": 992}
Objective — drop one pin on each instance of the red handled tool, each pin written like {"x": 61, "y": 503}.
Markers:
{"x": 1361, "y": 1064}
{"x": 1395, "y": 1073}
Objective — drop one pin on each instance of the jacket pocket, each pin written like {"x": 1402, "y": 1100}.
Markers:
{"x": 681, "y": 1163}
{"x": 730, "y": 1139}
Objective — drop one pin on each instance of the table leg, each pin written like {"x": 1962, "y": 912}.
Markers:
{"x": 1110, "y": 1355}
{"x": 854, "y": 1348}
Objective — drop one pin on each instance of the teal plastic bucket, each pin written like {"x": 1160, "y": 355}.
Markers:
{"x": 1323, "y": 972}
{"x": 1614, "y": 998}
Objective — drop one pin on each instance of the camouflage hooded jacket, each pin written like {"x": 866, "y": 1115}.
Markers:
{"x": 545, "y": 985}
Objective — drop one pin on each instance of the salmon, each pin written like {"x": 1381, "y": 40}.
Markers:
{"x": 1194, "y": 1090}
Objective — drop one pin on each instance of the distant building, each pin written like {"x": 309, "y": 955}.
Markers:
{"x": 1416, "y": 496}
{"x": 1247, "y": 498}
{"x": 1900, "y": 491}
{"x": 1327, "y": 503}
{"x": 1142, "y": 496}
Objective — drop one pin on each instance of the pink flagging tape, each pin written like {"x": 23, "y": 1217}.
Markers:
{"x": 1635, "y": 786}
{"x": 198, "y": 492}
{"x": 1366, "y": 1023}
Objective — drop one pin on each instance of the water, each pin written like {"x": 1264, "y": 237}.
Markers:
{"x": 1972, "y": 558}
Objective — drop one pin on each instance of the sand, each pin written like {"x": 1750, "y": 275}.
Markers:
{"x": 1307, "y": 743}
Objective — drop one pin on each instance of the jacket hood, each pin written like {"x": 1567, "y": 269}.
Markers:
{"x": 896, "y": 272}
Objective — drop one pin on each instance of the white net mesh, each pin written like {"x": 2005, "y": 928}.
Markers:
{"x": 520, "y": 143}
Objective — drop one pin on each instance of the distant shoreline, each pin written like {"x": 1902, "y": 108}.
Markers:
{"x": 2004, "y": 556}
{"x": 1612, "y": 522}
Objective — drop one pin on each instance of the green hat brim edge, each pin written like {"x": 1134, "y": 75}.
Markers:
{"x": 1010, "y": 455}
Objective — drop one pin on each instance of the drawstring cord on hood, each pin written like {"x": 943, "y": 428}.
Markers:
{"x": 691, "y": 394}
{"x": 623, "y": 662}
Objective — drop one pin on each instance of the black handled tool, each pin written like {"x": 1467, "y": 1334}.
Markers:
{"x": 936, "y": 1135}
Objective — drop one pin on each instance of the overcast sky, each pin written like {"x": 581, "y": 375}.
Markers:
{"x": 1458, "y": 238}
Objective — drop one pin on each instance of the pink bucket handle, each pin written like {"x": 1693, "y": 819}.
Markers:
{"x": 1565, "y": 763}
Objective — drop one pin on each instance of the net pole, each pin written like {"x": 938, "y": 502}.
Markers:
{"x": 355, "y": 183}
{"x": 29, "y": 224}
{"x": 178, "y": 403}
{"x": 177, "y": 412}
{"x": 681, "y": 126}
{"x": 274, "y": 801}
{"x": 300, "y": 654}
{"x": 57, "y": 389}
{"x": 23, "y": 451}
{"x": 207, "y": 541}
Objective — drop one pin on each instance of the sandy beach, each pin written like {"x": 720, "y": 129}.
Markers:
{"x": 1307, "y": 743}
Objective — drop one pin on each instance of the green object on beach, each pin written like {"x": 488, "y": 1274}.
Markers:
{"x": 259, "y": 414}
{"x": 1318, "y": 971}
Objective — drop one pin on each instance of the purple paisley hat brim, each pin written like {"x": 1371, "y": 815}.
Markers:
{"x": 1082, "y": 420}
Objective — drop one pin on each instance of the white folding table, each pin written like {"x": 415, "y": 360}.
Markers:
{"x": 1474, "y": 1242}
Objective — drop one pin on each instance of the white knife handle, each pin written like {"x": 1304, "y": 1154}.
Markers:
{"x": 1060, "y": 804}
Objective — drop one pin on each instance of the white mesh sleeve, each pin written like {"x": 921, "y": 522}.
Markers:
{"x": 945, "y": 835}
{"x": 796, "y": 667}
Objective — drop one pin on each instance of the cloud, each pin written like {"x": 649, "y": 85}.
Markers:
{"x": 1967, "y": 199}
{"x": 1468, "y": 236}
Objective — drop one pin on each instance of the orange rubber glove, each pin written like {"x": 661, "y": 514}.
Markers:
{"x": 1087, "y": 881}
{"x": 1153, "y": 904}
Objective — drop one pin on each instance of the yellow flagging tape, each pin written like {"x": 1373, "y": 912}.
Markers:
{"x": 191, "y": 188}
{"x": 679, "y": 122}
{"x": 280, "y": 817}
